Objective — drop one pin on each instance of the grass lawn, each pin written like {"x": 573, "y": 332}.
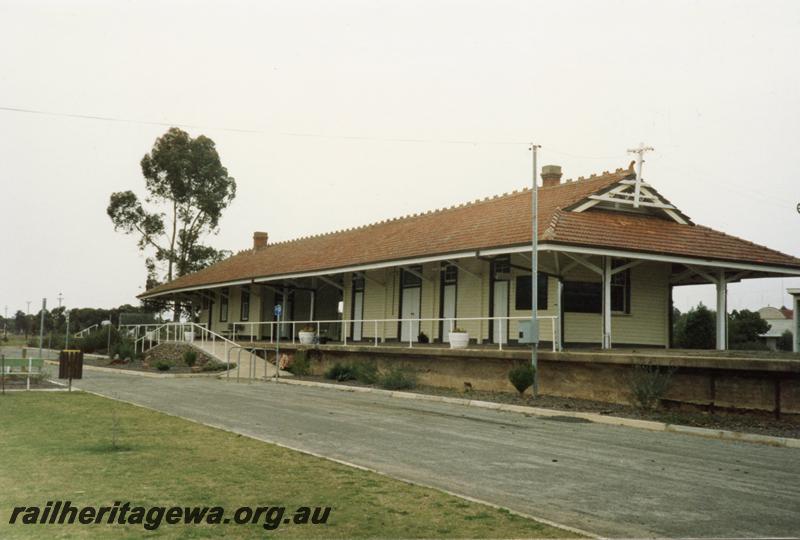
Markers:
{"x": 15, "y": 340}
{"x": 94, "y": 451}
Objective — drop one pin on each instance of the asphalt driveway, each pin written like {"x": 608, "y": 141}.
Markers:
{"x": 610, "y": 480}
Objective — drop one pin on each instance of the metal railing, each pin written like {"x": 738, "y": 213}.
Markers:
{"x": 289, "y": 330}
{"x": 135, "y": 331}
{"x": 183, "y": 331}
{"x": 86, "y": 331}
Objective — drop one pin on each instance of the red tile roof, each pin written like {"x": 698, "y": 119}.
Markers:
{"x": 618, "y": 230}
{"x": 500, "y": 221}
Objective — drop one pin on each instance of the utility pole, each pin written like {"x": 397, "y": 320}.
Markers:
{"x": 534, "y": 271}
{"x": 639, "y": 160}
{"x": 60, "y": 297}
{"x": 29, "y": 308}
{"x": 66, "y": 333}
{"x": 41, "y": 338}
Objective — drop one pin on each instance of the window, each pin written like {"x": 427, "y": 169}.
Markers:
{"x": 244, "y": 314}
{"x": 501, "y": 268}
{"x": 412, "y": 280}
{"x": 205, "y": 302}
{"x": 621, "y": 289}
{"x": 358, "y": 282}
{"x": 223, "y": 304}
{"x": 523, "y": 294}
{"x": 584, "y": 297}
{"x": 449, "y": 274}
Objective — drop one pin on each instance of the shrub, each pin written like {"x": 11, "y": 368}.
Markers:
{"x": 366, "y": 372}
{"x": 97, "y": 341}
{"x": 785, "y": 341}
{"x": 749, "y": 346}
{"x": 301, "y": 364}
{"x": 744, "y": 327}
{"x": 190, "y": 358}
{"x": 217, "y": 366}
{"x": 340, "y": 372}
{"x": 521, "y": 377}
{"x": 162, "y": 366}
{"x": 696, "y": 329}
{"x": 397, "y": 379}
{"x": 648, "y": 384}
{"x": 124, "y": 349}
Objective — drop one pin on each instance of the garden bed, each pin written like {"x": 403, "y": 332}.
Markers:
{"x": 157, "y": 365}
{"x": 749, "y": 422}
{"x": 19, "y": 382}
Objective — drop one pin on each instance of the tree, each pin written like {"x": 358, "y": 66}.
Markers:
{"x": 744, "y": 328}
{"x": 21, "y": 325}
{"x": 696, "y": 329}
{"x": 187, "y": 188}
{"x": 785, "y": 342}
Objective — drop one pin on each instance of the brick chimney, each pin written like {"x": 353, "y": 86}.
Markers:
{"x": 260, "y": 240}
{"x": 551, "y": 175}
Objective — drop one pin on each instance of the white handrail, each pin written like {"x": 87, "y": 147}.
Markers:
{"x": 251, "y": 330}
{"x": 85, "y": 331}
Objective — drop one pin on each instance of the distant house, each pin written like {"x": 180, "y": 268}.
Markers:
{"x": 780, "y": 320}
{"x": 611, "y": 249}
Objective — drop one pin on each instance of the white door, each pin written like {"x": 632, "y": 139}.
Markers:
{"x": 358, "y": 313}
{"x": 410, "y": 311}
{"x": 448, "y": 311}
{"x": 286, "y": 325}
{"x": 500, "y": 305}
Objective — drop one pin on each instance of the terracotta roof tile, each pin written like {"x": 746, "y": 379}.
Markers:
{"x": 499, "y": 221}
{"x": 602, "y": 228}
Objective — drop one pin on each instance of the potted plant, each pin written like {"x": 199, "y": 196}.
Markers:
{"x": 459, "y": 338}
{"x": 307, "y": 335}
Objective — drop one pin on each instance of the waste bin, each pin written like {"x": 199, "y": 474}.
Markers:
{"x": 70, "y": 364}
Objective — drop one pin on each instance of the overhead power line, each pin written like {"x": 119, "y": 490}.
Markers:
{"x": 122, "y": 120}
{"x": 253, "y": 131}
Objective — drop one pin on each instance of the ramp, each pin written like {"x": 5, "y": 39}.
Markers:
{"x": 248, "y": 365}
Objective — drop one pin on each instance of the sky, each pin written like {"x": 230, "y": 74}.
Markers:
{"x": 335, "y": 114}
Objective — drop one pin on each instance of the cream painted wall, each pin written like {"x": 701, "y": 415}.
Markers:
{"x": 648, "y": 321}
{"x": 647, "y": 324}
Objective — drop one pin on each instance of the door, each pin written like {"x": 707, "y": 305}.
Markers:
{"x": 411, "y": 303}
{"x": 358, "y": 315}
{"x": 447, "y": 301}
{"x": 448, "y": 311}
{"x": 500, "y": 309}
{"x": 287, "y": 314}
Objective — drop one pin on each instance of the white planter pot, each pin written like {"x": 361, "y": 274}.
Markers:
{"x": 306, "y": 338}
{"x": 188, "y": 336}
{"x": 458, "y": 340}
